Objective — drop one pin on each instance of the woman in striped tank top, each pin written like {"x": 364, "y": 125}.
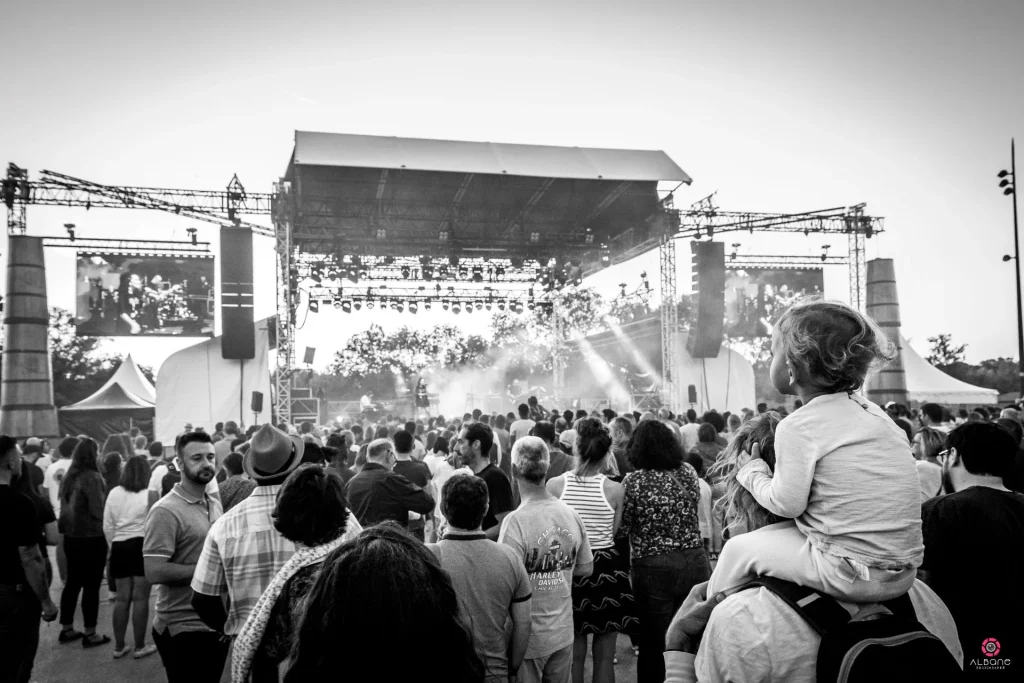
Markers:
{"x": 602, "y": 602}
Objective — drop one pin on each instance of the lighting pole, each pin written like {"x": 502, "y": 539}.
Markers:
{"x": 1009, "y": 185}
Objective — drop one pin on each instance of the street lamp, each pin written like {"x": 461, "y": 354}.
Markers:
{"x": 1008, "y": 181}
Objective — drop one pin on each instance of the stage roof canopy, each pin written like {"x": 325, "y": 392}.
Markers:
{"x": 454, "y": 156}
{"x": 367, "y": 195}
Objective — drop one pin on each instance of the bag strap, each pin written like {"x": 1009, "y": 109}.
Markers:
{"x": 820, "y": 611}
{"x": 678, "y": 483}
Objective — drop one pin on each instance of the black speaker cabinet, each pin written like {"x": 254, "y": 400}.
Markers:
{"x": 705, "y": 339}
{"x": 257, "y": 402}
{"x": 236, "y": 297}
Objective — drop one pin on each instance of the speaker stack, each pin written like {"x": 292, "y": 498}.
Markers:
{"x": 705, "y": 338}
{"x": 238, "y": 341}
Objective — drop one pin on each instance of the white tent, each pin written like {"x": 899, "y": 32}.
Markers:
{"x": 928, "y": 384}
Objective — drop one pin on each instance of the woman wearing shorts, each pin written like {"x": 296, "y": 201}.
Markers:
{"x": 124, "y": 524}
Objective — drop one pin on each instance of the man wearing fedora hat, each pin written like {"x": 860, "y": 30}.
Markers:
{"x": 377, "y": 493}
{"x": 243, "y": 551}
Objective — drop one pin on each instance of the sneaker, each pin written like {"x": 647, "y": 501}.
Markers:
{"x": 68, "y": 636}
{"x": 122, "y": 652}
{"x": 144, "y": 652}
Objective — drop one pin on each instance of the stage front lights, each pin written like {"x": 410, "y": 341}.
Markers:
{"x": 346, "y": 306}
{"x": 358, "y": 305}
{"x": 445, "y": 305}
{"x": 478, "y": 274}
{"x": 314, "y": 306}
{"x": 456, "y": 308}
{"x": 405, "y": 272}
{"x": 337, "y": 303}
{"x": 413, "y": 307}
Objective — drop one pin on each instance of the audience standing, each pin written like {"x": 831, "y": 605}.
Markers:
{"x": 659, "y": 514}
{"x": 82, "y": 494}
{"x": 176, "y": 529}
{"x": 474, "y": 444}
{"x": 489, "y": 578}
{"x": 124, "y": 525}
{"x": 551, "y": 540}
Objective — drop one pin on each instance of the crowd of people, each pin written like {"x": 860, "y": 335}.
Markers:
{"x": 759, "y": 546}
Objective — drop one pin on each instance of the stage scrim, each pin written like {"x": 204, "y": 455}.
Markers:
{"x": 144, "y": 295}
{"x": 755, "y": 296}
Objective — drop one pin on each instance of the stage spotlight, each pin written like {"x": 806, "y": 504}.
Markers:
{"x": 428, "y": 273}
{"x": 463, "y": 272}
{"x": 445, "y": 305}
{"x": 519, "y": 307}
{"x": 314, "y": 275}
{"x": 358, "y": 305}
{"x": 622, "y": 294}
{"x": 442, "y": 272}
{"x": 394, "y": 304}
{"x": 337, "y": 303}
{"x": 413, "y": 307}
{"x": 478, "y": 274}
{"x": 443, "y": 235}
{"x": 405, "y": 272}
{"x": 456, "y": 308}
{"x": 531, "y": 304}
{"x": 369, "y": 304}
{"x": 382, "y": 234}
{"x": 590, "y": 236}
{"x": 401, "y": 307}
{"x": 606, "y": 256}
{"x": 501, "y": 305}
{"x": 479, "y": 305}
{"x": 426, "y": 305}
{"x": 824, "y": 251}
{"x": 346, "y": 306}
{"x": 488, "y": 305}
{"x": 314, "y": 306}
{"x": 499, "y": 273}
{"x": 517, "y": 262}
{"x": 352, "y": 274}
{"x": 534, "y": 237}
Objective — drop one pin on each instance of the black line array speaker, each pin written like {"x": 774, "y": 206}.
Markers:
{"x": 236, "y": 295}
{"x": 257, "y": 402}
{"x": 310, "y": 355}
{"x": 691, "y": 394}
{"x": 705, "y": 339}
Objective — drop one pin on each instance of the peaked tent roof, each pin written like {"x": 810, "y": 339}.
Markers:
{"x": 457, "y": 156}
{"x": 928, "y": 384}
{"x": 127, "y": 389}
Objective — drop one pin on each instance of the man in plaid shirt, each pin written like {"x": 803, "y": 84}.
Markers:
{"x": 243, "y": 551}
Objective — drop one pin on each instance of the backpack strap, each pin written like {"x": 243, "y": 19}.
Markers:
{"x": 820, "y": 611}
{"x": 902, "y": 607}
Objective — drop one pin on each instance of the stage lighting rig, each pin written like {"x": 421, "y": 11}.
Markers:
{"x": 478, "y": 274}
{"x": 442, "y": 272}
{"x": 413, "y": 307}
{"x": 456, "y": 308}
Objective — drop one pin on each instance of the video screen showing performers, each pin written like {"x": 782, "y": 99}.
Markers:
{"x": 127, "y": 295}
{"x": 755, "y": 297}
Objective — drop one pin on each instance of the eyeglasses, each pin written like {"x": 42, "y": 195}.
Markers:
{"x": 942, "y": 455}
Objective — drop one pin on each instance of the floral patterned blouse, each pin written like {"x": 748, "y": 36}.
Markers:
{"x": 657, "y": 514}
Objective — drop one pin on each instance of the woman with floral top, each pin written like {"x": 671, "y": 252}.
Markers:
{"x": 667, "y": 555}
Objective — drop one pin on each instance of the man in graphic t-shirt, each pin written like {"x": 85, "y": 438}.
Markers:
{"x": 550, "y": 538}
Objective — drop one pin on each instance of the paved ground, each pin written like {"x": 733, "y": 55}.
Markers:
{"x": 70, "y": 663}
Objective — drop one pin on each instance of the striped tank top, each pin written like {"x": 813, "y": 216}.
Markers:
{"x": 586, "y": 496}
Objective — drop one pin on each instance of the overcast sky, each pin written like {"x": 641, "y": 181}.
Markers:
{"x": 907, "y": 106}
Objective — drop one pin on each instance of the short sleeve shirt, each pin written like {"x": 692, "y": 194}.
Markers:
{"x": 52, "y": 478}
{"x": 499, "y": 494}
{"x": 176, "y": 528}
{"x": 19, "y": 530}
{"x": 488, "y": 579}
{"x": 550, "y": 539}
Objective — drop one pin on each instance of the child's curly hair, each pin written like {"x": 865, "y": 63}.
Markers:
{"x": 736, "y": 505}
{"x": 832, "y": 344}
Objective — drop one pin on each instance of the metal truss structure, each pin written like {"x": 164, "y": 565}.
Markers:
{"x": 140, "y": 247}
{"x": 317, "y": 236}
{"x": 741, "y": 261}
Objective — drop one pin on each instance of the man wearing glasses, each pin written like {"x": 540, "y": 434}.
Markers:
{"x": 972, "y": 549}
{"x": 377, "y": 493}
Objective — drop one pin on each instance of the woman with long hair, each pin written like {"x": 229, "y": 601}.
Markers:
{"x": 311, "y": 512}
{"x": 82, "y": 494}
{"x": 660, "y": 516}
{"x": 380, "y": 589}
{"x": 602, "y": 602}
{"x": 708, "y": 447}
{"x": 124, "y": 525}
{"x": 113, "y": 464}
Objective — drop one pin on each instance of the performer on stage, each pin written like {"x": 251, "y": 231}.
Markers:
{"x": 366, "y": 404}
{"x": 422, "y": 399}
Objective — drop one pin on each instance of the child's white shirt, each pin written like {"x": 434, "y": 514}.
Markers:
{"x": 845, "y": 473}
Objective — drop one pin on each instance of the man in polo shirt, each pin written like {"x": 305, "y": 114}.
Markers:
{"x": 378, "y": 493}
{"x": 176, "y": 527}
{"x": 474, "y": 445}
{"x": 489, "y": 578}
{"x": 243, "y": 551}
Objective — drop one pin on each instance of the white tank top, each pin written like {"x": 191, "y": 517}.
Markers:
{"x": 586, "y": 496}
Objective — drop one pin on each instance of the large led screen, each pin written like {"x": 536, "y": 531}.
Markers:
{"x": 754, "y": 297}
{"x": 129, "y": 295}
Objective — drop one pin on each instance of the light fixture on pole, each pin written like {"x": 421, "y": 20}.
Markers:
{"x": 70, "y": 227}
{"x": 1008, "y": 181}
{"x": 193, "y": 233}
{"x": 824, "y": 251}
